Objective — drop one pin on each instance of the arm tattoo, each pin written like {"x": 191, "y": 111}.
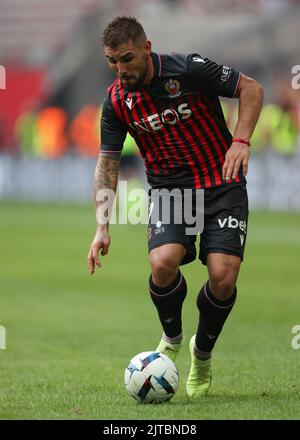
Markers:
{"x": 107, "y": 170}
{"x": 105, "y": 183}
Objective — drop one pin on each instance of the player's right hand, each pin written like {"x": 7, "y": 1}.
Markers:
{"x": 101, "y": 242}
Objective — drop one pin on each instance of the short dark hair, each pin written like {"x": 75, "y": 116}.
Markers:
{"x": 122, "y": 29}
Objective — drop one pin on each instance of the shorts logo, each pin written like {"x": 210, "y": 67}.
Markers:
{"x": 159, "y": 228}
{"x": 172, "y": 87}
{"x": 232, "y": 223}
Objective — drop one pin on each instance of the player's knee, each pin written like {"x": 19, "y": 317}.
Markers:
{"x": 164, "y": 268}
{"x": 223, "y": 281}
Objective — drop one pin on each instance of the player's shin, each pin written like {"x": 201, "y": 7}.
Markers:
{"x": 213, "y": 314}
{"x": 168, "y": 302}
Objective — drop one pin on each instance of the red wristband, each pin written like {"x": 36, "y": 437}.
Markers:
{"x": 241, "y": 141}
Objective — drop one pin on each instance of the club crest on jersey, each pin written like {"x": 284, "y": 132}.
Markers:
{"x": 172, "y": 88}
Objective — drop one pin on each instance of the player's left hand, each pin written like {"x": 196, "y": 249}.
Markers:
{"x": 236, "y": 157}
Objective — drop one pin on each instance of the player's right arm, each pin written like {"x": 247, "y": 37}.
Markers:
{"x": 113, "y": 133}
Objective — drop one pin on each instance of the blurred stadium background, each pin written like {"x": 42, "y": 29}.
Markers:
{"x": 53, "y": 81}
{"x": 56, "y": 78}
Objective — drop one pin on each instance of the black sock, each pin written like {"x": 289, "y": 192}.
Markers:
{"x": 213, "y": 314}
{"x": 168, "y": 301}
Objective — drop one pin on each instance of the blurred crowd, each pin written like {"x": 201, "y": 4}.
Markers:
{"x": 49, "y": 132}
{"x": 207, "y": 7}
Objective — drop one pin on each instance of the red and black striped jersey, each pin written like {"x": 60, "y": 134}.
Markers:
{"x": 176, "y": 121}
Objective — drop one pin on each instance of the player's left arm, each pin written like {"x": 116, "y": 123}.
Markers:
{"x": 250, "y": 95}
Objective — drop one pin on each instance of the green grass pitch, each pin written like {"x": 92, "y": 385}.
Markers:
{"x": 70, "y": 335}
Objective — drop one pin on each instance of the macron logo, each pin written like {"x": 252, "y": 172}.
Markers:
{"x": 168, "y": 320}
{"x": 242, "y": 238}
{"x": 198, "y": 60}
{"x": 129, "y": 102}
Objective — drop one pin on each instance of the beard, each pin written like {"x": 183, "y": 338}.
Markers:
{"x": 137, "y": 83}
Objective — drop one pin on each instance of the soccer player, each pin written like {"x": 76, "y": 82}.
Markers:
{"x": 170, "y": 105}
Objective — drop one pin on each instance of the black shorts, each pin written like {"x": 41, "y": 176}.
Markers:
{"x": 224, "y": 223}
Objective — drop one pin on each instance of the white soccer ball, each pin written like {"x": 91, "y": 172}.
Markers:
{"x": 151, "y": 377}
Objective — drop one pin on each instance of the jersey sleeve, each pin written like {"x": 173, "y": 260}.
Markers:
{"x": 113, "y": 131}
{"x": 221, "y": 79}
